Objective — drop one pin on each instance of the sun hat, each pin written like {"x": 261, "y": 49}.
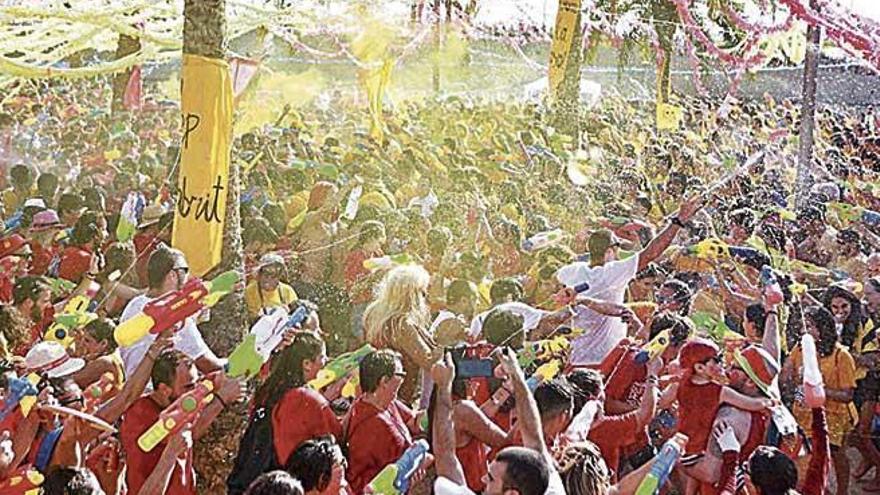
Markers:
{"x": 50, "y": 358}
{"x": 45, "y": 220}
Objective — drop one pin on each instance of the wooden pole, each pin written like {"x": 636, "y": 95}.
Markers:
{"x": 808, "y": 114}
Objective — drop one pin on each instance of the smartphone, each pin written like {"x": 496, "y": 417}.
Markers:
{"x": 474, "y": 368}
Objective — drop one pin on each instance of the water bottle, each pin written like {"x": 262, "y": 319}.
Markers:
{"x": 542, "y": 240}
{"x": 814, "y": 388}
{"x": 666, "y": 460}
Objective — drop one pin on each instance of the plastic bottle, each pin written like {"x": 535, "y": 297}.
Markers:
{"x": 542, "y": 240}
{"x": 772, "y": 289}
{"x": 666, "y": 460}
{"x": 814, "y": 388}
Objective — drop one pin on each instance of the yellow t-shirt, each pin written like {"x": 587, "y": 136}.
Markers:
{"x": 838, "y": 372}
{"x": 257, "y": 300}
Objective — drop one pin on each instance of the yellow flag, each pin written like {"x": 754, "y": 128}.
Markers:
{"x": 668, "y": 116}
{"x": 206, "y": 106}
{"x": 566, "y": 25}
{"x": 376, "y": 80}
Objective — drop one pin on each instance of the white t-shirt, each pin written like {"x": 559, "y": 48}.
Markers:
{"x": 531, "y": 317}
{"x": 444, "y": 486}
{"x": 607, "y": 283}
{"x": 187, "y": 340}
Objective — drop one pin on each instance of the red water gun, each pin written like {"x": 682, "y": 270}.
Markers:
{"x": 99, "y": 391}
{"x": 173, "y": 307}
{"x": 185, "y": 409}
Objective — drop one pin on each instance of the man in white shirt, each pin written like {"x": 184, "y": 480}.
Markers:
{"x": 607, "y": 279}
{"x": 167, "y": 270}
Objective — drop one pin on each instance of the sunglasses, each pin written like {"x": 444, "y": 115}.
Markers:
{"x": 182, "y": 270}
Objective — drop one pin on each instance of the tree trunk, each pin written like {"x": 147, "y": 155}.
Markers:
{"x": 665, "y": 15}
{"x": 808, "y": 115}
{"x": 204, "y": 34}
{"x": 124, "y": 47}
{"x": 435, "y": 65}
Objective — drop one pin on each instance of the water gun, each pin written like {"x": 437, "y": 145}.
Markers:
{"x": 74, "y": 315}
{"x": 98, "y": 391}
{"x": 848, "y": 214}
{"x": 184, "y": 410}
{"x": 132, "y": 209}
{"x": 770, "y": 284}
{"x": 25, "y": 481}
{"x": 568, "y": 295}
{"x": 714, "y": 326}
{"x": 20, "y": 392}
{"x": 350, "y": 389}
{"x": 542, "y": 240}
{"x": 387, "y": 262}
{"x": 173, "y": 307}
{"x": 339, "y": 367}
{"x": 666, "y": 460}
{"x": 544, "y": 373}
{"x": 653, "y": 348}
{"x": 394, "y": 478}
{"x": 60, "y": 286}
{"x": 713, "y": 248}
{"x": 14, "y": 221}
{"x": 265, "y": 336}
{"x": 542, "y": 350}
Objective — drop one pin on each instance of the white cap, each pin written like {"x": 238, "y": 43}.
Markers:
{"x": 51, "y": 359}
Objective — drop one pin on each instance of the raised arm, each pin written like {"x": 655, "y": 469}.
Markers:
{"x": 160, "y": 477}
{"x": 661, "y": 241}
{"x": 526, "y": 407}
{"x": 738, "y": 400}
{"x": 443, "y": 427}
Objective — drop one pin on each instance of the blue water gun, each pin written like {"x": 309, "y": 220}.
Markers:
{"x": 666, "y": 460}
{"x": 18, "y": 389}
{"x": 394, "y": 478}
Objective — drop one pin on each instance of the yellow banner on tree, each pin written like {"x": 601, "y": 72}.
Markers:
{"x": 202, "y": 188}
{"x": 564, "y": 32}
{"x": 668, "y": 116}
{"x": 376, "y": 80}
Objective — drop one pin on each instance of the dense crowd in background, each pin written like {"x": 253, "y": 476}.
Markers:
{"x": 547, "y": 316}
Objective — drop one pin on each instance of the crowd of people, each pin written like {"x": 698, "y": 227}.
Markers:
{"x": 546, "y": 318}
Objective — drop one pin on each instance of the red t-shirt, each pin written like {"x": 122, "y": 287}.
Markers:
{"x": 375, "y": 439}
{"x": 354, "y": 271}
{"x": 611, "y": 433}
{"x": 698, "y": 405}
{"x": 624, "y": 378}
{"x": 300, "y": 415}
{"x": 138, "y": 419}
{"x": 42, "y": 257}
{"x": 75, "y": 262}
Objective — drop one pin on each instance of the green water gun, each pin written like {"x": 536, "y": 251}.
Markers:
{"x": 339, "y": 367}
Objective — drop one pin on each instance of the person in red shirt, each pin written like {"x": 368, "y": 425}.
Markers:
{"x": 43, "y": 230}
{"x": 379, "y": 425}
{"x": 358, "y": 279}
{"x": 286, "y": 394}
{"x": 151, "y": 472}
{"x": 83, "y": 257}
{"x": 32, "y": 297}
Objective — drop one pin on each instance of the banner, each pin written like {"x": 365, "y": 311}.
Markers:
{"x": 566, "y": 26}
{"x": 202, "y": 187}
{"x": 243, "y": 71}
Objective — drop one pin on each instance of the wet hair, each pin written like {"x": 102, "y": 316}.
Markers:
{"x": 287, "y": 369}
{"x": 165, "y": 368}
{"x": 71, "y": 481}
{"x": 21, "y": 174}
{"x": 459, "y": 290}
{"x": 756, "y": 315}
{"x": 773, "y": 472}
{"x": 554, "y": 398}
{"x": 102, "y": 330}
{"x": 824, "y": 321}
{"x": 375, "y": 366}
{"x": 503, "y": 288}
{"x": 680, "y": 328}
{"x": 502, "y": 327}
{"x": 28, "y": 288}
{"x": 275, "y": 483}
{"x": 583, "y": 470}
{"x": 854, "y": 320}
{"x": 585, "y": 385}
{"x": 525, "y": 471}
{"x": 371, "y": 230}
{"x": 68, "y": 202}
{"x": 313, "y": 461}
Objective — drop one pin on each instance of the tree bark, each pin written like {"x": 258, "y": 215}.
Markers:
{"x": 804, "y": 180}
{"x": 204, "y": 34}
{"x": 124, "y": 47}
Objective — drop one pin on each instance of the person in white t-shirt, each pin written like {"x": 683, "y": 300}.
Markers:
{"x": 506, "y": 294}
{"x": 167, "y": 270}
{"x": 607, "y": 279}
{"x": 527, "y": 470}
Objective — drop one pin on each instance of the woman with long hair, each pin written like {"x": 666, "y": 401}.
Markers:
{"x": 839, "y": 374}
{"x": 286, "y": 395}
{"x": 846, "y": 309}
{"x": 399, "y": 319}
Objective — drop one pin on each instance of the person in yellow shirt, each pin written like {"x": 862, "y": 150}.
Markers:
{"x": 267, "y": 291}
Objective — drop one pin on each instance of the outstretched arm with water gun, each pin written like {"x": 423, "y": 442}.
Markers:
{"x": 173, "y": 307}
{"x": 266, "y": 335}
{"x": 339, "y": 367}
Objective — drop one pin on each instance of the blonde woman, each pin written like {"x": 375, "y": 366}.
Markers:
{"x": 399, "y": 319}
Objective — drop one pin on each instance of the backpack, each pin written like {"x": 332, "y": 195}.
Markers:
{"x": 256, "y": 453}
